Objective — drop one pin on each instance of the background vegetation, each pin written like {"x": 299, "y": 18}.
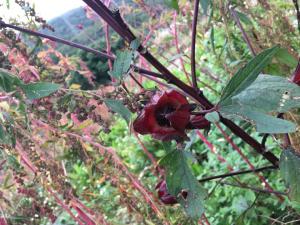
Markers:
{"x": 69, "y": 159}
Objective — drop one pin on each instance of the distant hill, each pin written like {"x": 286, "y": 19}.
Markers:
{"x": 67, "y": 27}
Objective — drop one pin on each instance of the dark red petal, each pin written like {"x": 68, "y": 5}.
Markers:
{"x": 179, "y": 119}
{"x": 146, "y": 121}
{"x": 181, "y": 99}
{"x": 296, "y": 76}
{"x": 172, "y": 98}
{"x": 199, "y": 122}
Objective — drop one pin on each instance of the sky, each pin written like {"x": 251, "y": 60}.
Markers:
{"x": 47, "y": 9}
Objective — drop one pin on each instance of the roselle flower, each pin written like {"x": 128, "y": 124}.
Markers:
{"x": 165, "y": 117}
{"x": 163, "y": 194}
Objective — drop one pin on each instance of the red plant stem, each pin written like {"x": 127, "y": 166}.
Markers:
{"x": 34, "y": 169}
{"x": 238, "y": 23}
{"x": 297, "y": 13}
{"x": 64, "y": 206}
{"x": 149, "y": 155}
{"x": 178, "y": 50}
{"x": 202, "y": 82}
{"x": 136, "y": 81}
{"x": 244, "y": 157}
{"x": 135, "y": 182}
{"x": 213, "y": 150}
{"x": 110, "y": 151}
{"x": 205, "y": 219}
{"x": 107, "y": 38}
{"x": 193, "y": 48}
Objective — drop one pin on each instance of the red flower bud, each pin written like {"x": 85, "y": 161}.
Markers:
{"x": 296, "y": 76}
{"x": 199, "y": 122}
{"x": 165, "y": 117}
{"x": 163, "y": 194}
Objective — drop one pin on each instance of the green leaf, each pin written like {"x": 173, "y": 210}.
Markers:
{"x": 285, "y": 57}
{"x": 212, "y": 117}
{"x": 5, "y": 137}
{"x": 270, "y": 94}
{"x": 118, "y": 107}
{"x": 8, "y": 82}
{"x": 244, "y": 18}
{"x": 264, "y": 123}
{"x": 121, "y": 64}
{"x": 204, "y": 5}
{"x": 289, "y": 165}
{"x": 180, "y": 178}
{"x": 40, "y": 89}
{"x": 246, "y": 75}
{"x": 135, "y": 44}
{"x": 173, "y": 4}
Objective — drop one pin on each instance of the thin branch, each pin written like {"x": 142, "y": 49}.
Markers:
{"x": 136, "y": 81}
{"x": 193, "y": 49}
{"x": 178, "y": 49}
{"x": 297, "y": 12}
{"x": 255, "y": 189}
{"x": 238, "y": 23}
{"x": 75, "y": 45}
{"x": 237, "y": 173}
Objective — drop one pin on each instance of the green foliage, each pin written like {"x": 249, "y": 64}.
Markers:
{"x": 212, "y": 117}
{"x": 267, "y": 94}
{"x": 173, "y": 4}
{"x": 77, "y": 78}
{"x": 118, "y": 107}
{"x": 39, "y": 90}
{"x": 122, "y": 64}
{"x": 8, "y": 82}
{"x": 270, "y": 94}
{"x": 247, "y": 75}
{"x": 205, "y": 4}
{"x": 289, "y": 169}
{"x": 179, "y": 179}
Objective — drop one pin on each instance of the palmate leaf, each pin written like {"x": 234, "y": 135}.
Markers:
{"x": 266, "y": 94}
{"x": 247, "y": 75}
{"x": 270, "y": 94}
{"x": 290, "y": 171}
{"x": 263, "y": 122}
{"x": 40, "y": 89}
{"x": 180, "y": 178}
